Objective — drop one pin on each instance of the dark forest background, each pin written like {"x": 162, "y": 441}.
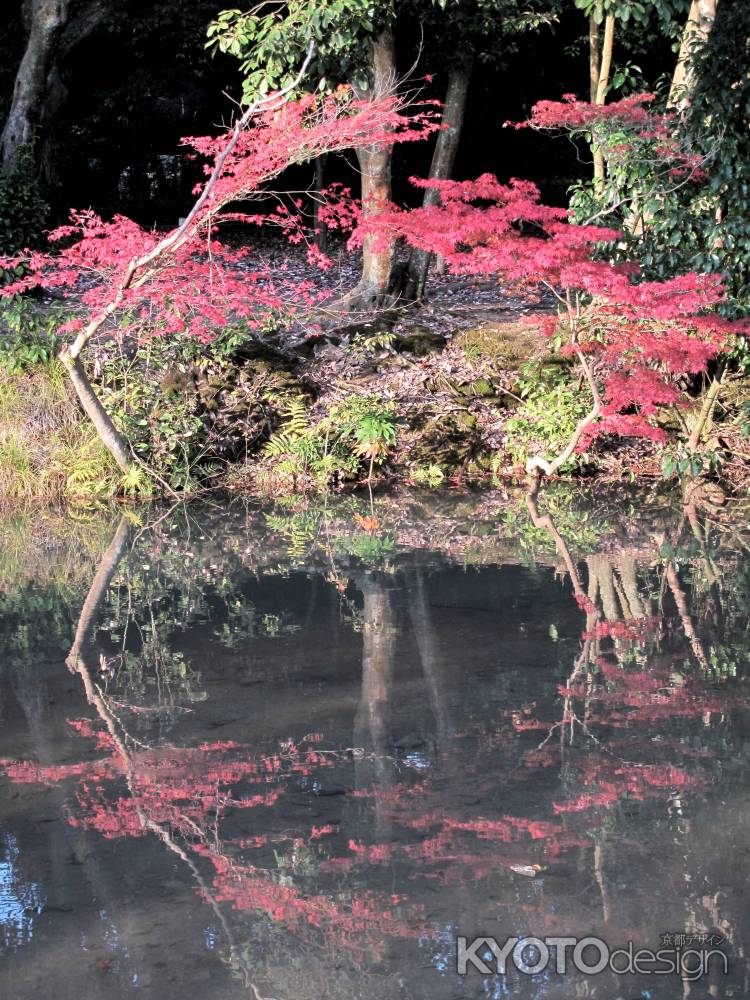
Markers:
{"x": 143, "y": 79}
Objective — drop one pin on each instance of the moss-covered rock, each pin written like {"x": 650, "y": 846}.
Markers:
{"x": 506, "y": 345}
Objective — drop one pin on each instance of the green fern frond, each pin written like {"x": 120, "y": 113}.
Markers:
{"x": 291, "y": 432}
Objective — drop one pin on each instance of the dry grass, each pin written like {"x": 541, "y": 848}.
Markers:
{"x": 48, "y": 450}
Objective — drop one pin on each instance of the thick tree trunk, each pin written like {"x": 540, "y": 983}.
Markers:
{"x": 373, "y": 289}
{"x": 441, "y": 167}
{"x": 39, "y": 91}
{"x": 698, "y": 27}
{"x": 48, "y": 18}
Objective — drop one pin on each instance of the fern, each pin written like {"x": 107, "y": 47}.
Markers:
{"x": 295, "y": 427}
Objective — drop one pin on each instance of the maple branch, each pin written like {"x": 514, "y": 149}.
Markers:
{"x": 115, "y": 443}
{"x": 537, "y": 465}
{"x": 178, "y": 236}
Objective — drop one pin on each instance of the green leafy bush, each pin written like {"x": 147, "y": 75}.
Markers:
{"x": 28, "y": 335}
{"x": 23, "y": 210}
{"x": 552, "y": 407}
{"x": 329, "y": 452}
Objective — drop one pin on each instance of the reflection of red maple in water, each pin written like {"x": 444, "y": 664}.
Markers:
{"x": 181, "y": 793}
{"x": 184, "y": 791}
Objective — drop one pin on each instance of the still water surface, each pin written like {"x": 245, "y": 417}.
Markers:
{"x": 296, "y": 752}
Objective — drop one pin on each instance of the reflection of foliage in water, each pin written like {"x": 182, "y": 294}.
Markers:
{"x": 583, "y": 528}
{"x": 638, "y": 726}
{"x": 45, "y": 570}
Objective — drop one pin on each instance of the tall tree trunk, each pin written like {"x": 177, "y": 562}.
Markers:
{"x": 373, "y": 288}
{"x": 441, "y": 167}
{"x": 698, "y": 27}
{"x": 603, "y": 63}
{"x": 595, "y": 58}
{"x": 47, "y": 20}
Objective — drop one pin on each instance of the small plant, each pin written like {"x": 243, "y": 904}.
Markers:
{"x": 428, "y": 475}
{"x": 371, "y": 423}
{"x": 363, "y": 347}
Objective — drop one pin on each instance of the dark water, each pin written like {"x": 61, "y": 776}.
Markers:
{"x": 298, "y": 752}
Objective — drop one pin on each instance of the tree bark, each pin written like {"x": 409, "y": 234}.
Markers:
{"x": 373, "y": 289}
{"x": 48, "y": 18}
{"x": 594, "y": 58}
{"x": 604, "y": 63}
{"x": 110, "y": 436}
{"x": 441, "y": 167}
{"x": 40, "y": 92}
{"x": 698, "y": 27}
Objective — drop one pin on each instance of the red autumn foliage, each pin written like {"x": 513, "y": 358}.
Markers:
{"x": 201, "y": 284}
{"x": 638, "y": 336}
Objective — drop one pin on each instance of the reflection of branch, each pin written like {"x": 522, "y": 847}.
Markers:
{"x": 97, "y": 591}
{"x": 672, "y": 579}
{"x": 77, "y": 664}
{"x": 688, "y": 627}
{"x": 545, "y": 521}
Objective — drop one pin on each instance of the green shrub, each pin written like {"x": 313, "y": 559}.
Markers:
{"x": 23, "y": 210}
{"x": 28, "y": 335}
{"x": 545, "y": 422}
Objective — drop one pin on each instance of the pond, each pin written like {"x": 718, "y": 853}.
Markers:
{"x": 315, "y": 750}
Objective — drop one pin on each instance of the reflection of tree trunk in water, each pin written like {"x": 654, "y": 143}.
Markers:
{"x": 545, "y": 521}
{"x": 424, "y": 633}
{"x": 82, "y": 661}
{"x": 683, "y": 610}
{"x": 600, "y": 879}
{"x": 601, "y": 567}
{"x": 628, "y": 573}
{"x": 64, "y": 841}
{"x": 371, "y": 723}
{"x": 99, "y": 586}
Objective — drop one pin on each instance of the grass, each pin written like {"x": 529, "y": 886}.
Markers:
{"x": 48, "y": 450}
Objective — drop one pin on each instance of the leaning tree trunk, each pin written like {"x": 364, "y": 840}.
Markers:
{"x": 441, "y": 167}
{"x": 373, "y": 288}
{"x": 110, "y": 437}
{"x": 47, "y": 19}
